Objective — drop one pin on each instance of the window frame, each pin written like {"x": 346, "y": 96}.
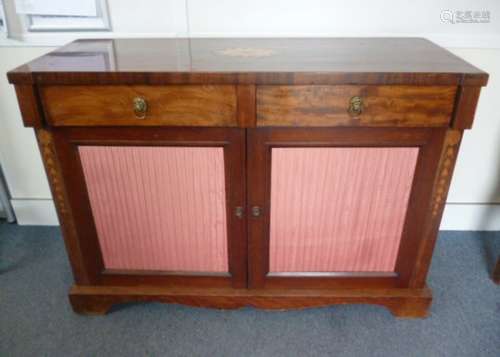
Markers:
{"x": 43, "y": 23}
{"x": 3, "y": 17}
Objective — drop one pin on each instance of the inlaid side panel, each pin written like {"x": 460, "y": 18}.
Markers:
{"x": 338, "y": 209}
{"x": 158, "y": 208}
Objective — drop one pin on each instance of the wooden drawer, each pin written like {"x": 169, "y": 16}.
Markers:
{"x": 320, "y": 105}
{"x": 113, "y": 105}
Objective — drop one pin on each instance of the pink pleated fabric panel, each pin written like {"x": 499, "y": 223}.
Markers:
{"x": 158, "y": 208}
{"x": 338, "y": 209}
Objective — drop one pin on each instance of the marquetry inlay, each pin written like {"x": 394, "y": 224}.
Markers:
{"x": 445, "y": 169}
{"x": 52, "y": 168}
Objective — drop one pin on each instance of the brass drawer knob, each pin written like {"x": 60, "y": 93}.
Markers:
{"x": 355, "y": 106}
{"x": 239, "y": 212}
{"x": 140, "y": 107}
{"x": 256, "y": 211}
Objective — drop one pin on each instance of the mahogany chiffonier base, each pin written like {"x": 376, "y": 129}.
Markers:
{"x": 98, "y": 300}
{"x": 272, "y": 173}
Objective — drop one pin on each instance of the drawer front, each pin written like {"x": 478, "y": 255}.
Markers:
{"x": 110, "y": 105}
{"x": 355, "y": 105}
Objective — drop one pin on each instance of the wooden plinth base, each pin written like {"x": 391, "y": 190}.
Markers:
{"x": 98, "y": 300}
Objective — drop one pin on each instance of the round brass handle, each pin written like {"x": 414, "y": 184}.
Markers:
{"x": 256, "y": 211}
{"x": 355, "y": 106}
{"x": 239, "y": 212}
{"x": 140, "y": 107}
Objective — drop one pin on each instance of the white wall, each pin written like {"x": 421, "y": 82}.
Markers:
{"x": 343, "y": 18}
{"x": 19, "y": 155}
{"x": 474, "y": 199}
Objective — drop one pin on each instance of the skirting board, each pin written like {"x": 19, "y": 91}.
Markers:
{"x": 457, "y": 217}
{"x": 471, "y": 217}
{"x": 40, "y": 212}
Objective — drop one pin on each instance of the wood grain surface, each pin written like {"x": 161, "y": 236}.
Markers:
{"x": 98, "y": 300}
{"x": 414, "y": 61}
{"x": 328, "y": 105}
{"x": 177, "y": 105}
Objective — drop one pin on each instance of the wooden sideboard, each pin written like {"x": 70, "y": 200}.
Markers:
{"x": 274, "y": 173}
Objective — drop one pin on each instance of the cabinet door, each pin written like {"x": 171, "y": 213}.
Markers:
{"x": 158, "y": 205}
{"x": 338, "y": 206}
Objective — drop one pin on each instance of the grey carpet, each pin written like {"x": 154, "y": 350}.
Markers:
{"x": 36, "y": 319}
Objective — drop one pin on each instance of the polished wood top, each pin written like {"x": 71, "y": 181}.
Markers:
{"x": 261, "y": 61}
